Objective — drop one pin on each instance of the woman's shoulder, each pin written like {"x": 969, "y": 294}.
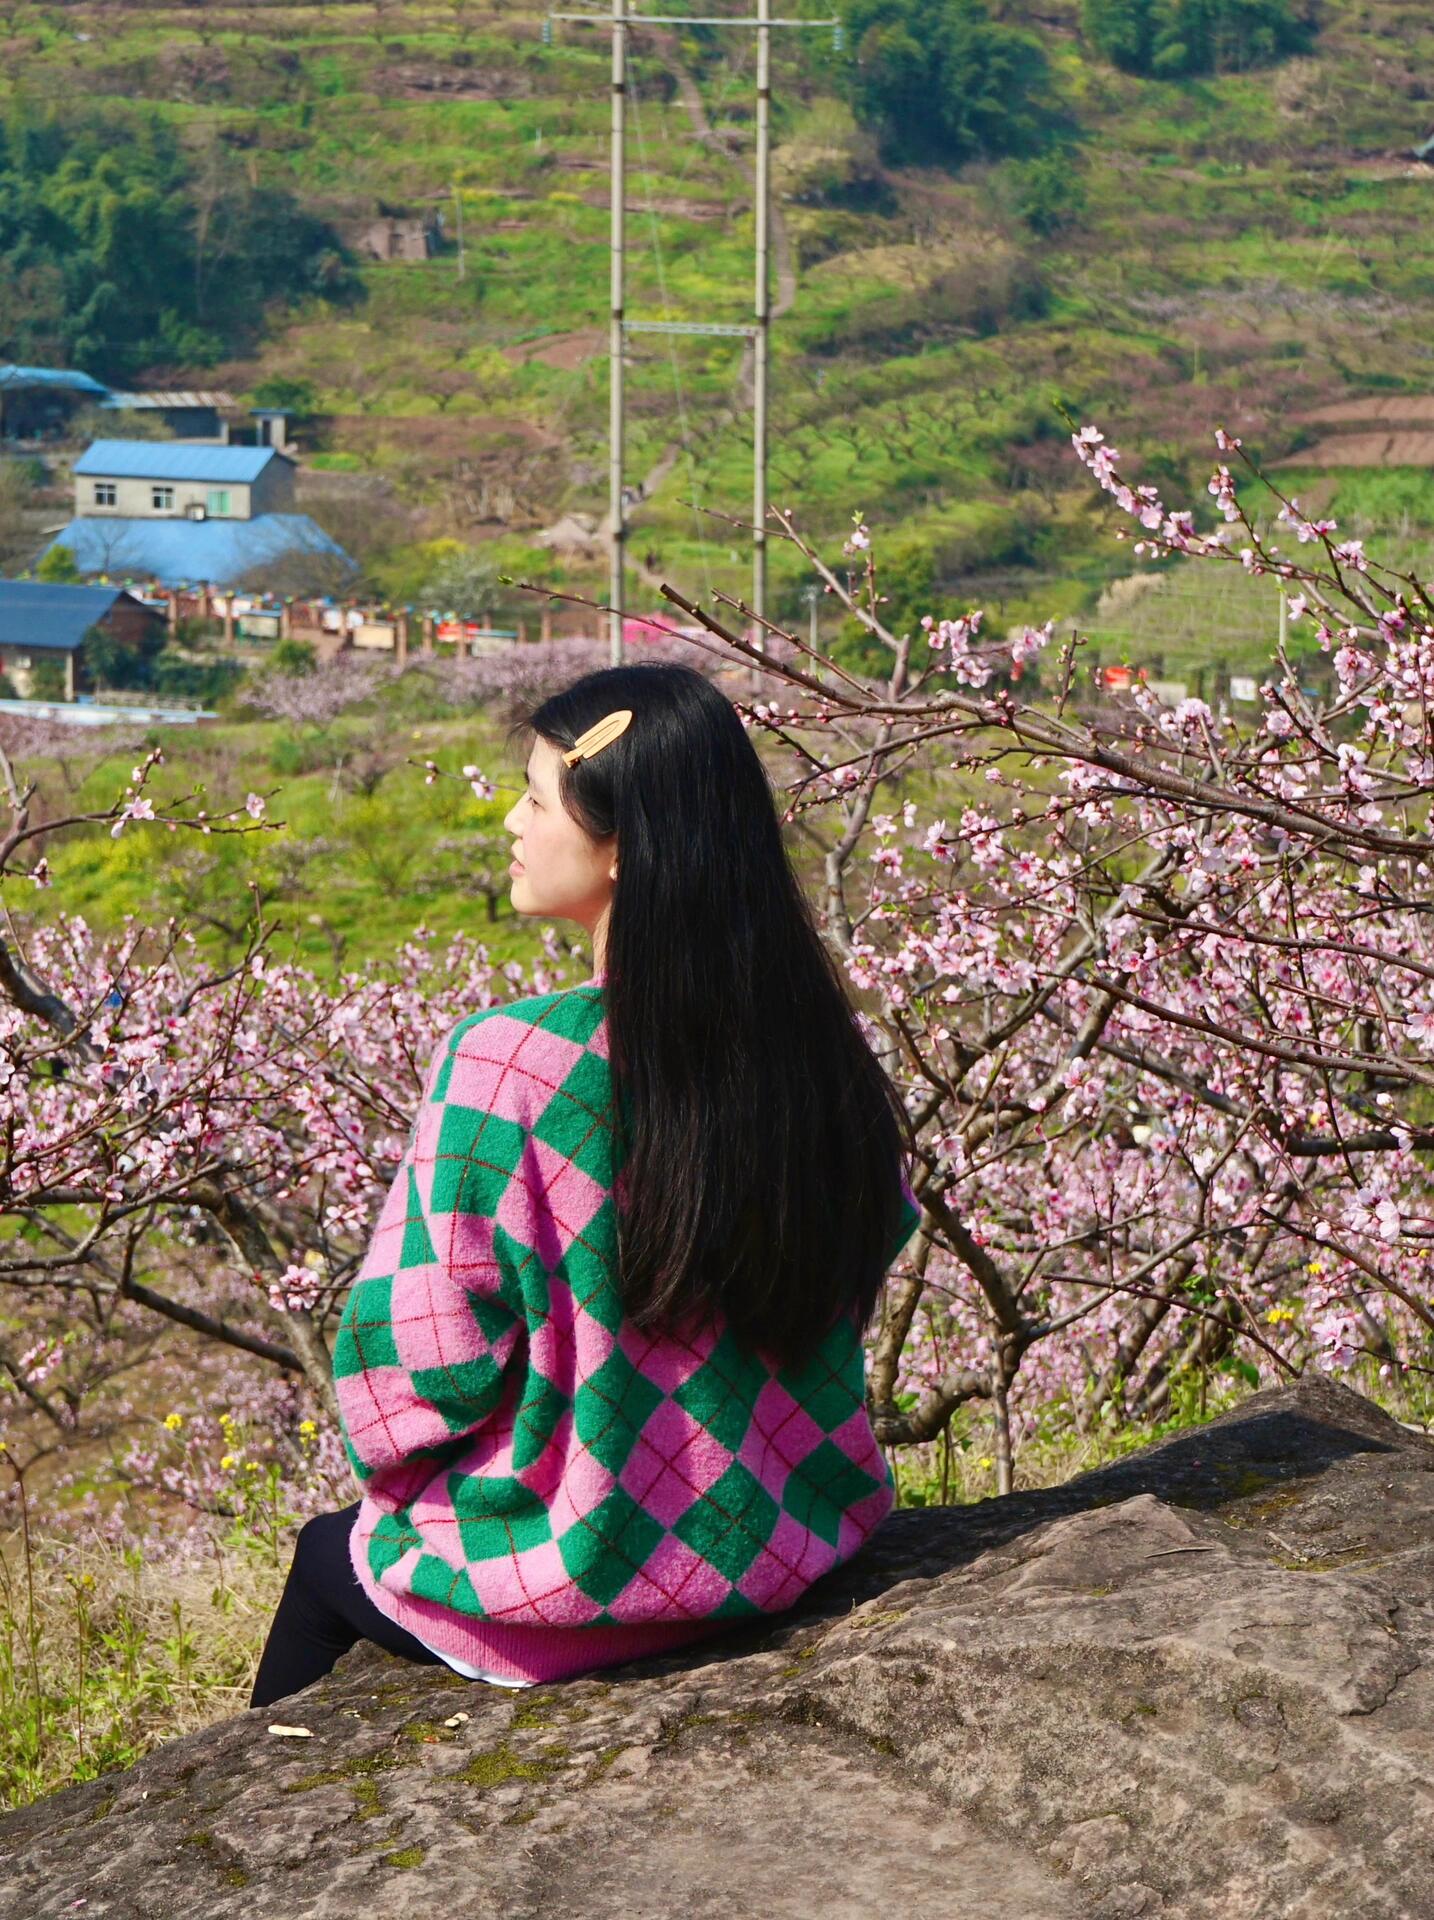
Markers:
{"x": 518, "y": 1054}
{"x": 575, "y": 1011}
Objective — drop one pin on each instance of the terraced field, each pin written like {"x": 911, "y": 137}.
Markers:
{"x": 1249, "y": 250}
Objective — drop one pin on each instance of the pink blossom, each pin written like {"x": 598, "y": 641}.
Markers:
{"x": 138, "y": 809}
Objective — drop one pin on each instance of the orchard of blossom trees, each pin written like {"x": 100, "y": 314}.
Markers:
{"x": 1158, "y": 986}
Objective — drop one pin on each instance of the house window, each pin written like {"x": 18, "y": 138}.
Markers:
{"x": 104, "y": 493}
{"x": 218, "y": 501}
{"x": 161, "y": 498}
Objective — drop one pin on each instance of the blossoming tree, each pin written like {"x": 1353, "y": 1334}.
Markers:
{"x": 1159, "y": 989}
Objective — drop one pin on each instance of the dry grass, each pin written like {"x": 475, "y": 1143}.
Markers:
{"x": 107, "y": 1650}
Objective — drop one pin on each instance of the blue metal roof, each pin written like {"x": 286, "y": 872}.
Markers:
{"x": 13, "y": 376}
{"x": 174, "y": 460}
{"x": 33, "y": 613}
{"x": 218, "y": 552}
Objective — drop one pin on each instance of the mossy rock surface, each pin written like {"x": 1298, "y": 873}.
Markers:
{"x": 1198, "y": 1684}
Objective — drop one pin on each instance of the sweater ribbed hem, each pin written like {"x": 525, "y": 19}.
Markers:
{"x": 524, "y": 1653}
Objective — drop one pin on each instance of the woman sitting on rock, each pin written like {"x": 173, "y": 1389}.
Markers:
{"x": 600, "y": 1374}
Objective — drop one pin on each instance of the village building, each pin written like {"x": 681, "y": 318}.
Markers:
{"x": 188, "y": 414}
{"x": 180, "y": 511}
{"x": 271, "y": 427}
{"x": 397, "y": 236}
{"x": 41, "y": 622}
{"x": 37, "y": 403}
{"x": 176, "y": 479}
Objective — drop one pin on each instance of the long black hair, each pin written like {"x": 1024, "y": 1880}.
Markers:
{"x": 763, "y": 1138}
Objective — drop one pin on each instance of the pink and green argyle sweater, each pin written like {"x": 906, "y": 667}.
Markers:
{"x": 531, "y": 1462}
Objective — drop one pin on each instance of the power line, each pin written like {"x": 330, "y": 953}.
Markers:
{"x": 620, "y": 23}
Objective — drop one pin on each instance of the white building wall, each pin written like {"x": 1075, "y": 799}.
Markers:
{"x": 134, "y": 499}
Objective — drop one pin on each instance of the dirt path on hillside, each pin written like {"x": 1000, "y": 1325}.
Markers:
{"x": 785, "y": 295}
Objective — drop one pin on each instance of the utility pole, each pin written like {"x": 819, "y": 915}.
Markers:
{"x": 619, "y": 326}
{"x": 458, "y": 219}
{"x": 617, "y": 244}
{"x": 762, "y": 316}
{"x": 812, "y": 595}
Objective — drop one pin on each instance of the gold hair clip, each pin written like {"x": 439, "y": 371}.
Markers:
{"x": 598, "y": 735}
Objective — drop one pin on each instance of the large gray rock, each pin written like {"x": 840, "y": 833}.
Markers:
{"x": 1198, "y": 1684}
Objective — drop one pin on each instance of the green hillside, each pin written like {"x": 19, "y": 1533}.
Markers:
{"x": 1161, "y": 254}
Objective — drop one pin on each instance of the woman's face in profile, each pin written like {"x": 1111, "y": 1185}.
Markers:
{"x": 558, "y": 869}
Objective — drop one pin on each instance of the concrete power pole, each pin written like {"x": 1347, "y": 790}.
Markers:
{"x": 761, "y": 314}
{"x": 617, "y": 244}
{"x": 622, "y": 22}
{"x": 458, "y": 221}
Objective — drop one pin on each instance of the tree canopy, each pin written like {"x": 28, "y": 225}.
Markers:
{"x": 1175, "y": 37}
{"x": 940, "y": 81}
{"x": 118, "y": 250}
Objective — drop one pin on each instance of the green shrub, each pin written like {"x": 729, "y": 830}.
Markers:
{"x": 291, "y": 754}
{"x": 58, "y": 567}
{"x": 293, "y": 656}
{"x": 47, "y": 680}
{"x": 979, "y": 292}
{"x": 939, "y": 80}
{"x": 1176, "y": 37}
{"x": 295, "y": 394}
{"x": 205, "y": 682}
{"x": 113, "y": 662}
{"x": 1050, "y": 192}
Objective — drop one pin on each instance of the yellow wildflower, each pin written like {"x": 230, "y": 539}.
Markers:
{"x": 307, "y": 1427}
{"x": 1278, "y": 1314}
{"x": 174, "y": 1421}
{"x": 226, "y": 1463}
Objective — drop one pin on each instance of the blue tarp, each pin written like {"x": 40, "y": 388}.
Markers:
{"x": 220, "y": 553}
{"x": 21, "y": 377}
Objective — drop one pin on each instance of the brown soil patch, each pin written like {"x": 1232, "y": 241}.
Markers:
{"x": 442, "y": 437}
{"x": 1389, "y": 169}
{"x": 1367, "y": 450}
{"x": 566, "y": 351}
{"x": 1395, "y": 409}
{"x": 678, "y": 206}
{"x": 451, "y": 83}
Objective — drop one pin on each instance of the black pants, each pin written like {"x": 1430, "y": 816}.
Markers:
{"x": 322, "y": 1612}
